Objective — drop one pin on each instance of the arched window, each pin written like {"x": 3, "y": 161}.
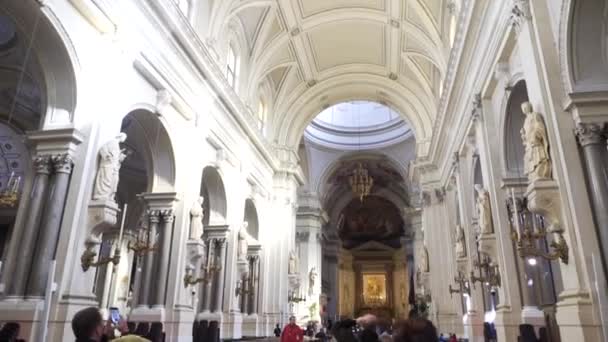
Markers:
{"x": 262, "y": 112}
{"x": 231, "y": 66}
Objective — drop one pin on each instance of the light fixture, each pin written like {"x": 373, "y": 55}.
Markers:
{"x": 10, "y": 195}
{"x": 361, "y": 182}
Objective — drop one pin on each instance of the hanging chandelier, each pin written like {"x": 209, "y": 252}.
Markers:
{"x": 361, "y": 182}
{"x": 10, "y": 195}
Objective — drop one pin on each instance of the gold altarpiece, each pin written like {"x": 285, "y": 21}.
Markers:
{"x": 373, "y": 282}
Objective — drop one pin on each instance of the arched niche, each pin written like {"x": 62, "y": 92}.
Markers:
{"x": 214, "y": 194}
{"x": 514, "y": 121}
{"x": 587, "y": 45}
{"x": 148, "y": 134}
{"x": 251, "y": 217}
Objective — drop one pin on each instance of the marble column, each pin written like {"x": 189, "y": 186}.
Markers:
{"x": 219, "y": 295}
{"x": 255, "y": 285}
{"x": 50, "y": 223}
{"x": 592, "y": 139}
{"x": 163, "y": 251}
{"x": 146, "y": 283}
{"x": 25, "y": 252}
{"x": 207, "y": 285}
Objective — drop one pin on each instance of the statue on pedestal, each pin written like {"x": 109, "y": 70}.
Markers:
{"x": 196, "y": 220}
{"x": 537, "y": 161}
{"x": 460, "y": 242}
{"x": 111, "y": 157}
{"x": 483, "y": 210}
{"x": 243, "y": 243}
{"x": 292, "y": 266}
{"x": 312, "y": 276}
{"x": 424, "y": 259}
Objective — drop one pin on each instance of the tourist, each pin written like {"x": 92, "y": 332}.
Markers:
{"x": 453, "y": 338}
{"x": 277, "y": 330}
{"x": 87, "y": 325}
{"x": 292, "y": 332}
{"x": 415, "y": 330}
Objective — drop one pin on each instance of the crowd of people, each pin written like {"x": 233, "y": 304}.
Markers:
{"x": 364, "y": 329}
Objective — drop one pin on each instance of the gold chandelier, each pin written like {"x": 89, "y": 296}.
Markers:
{"x": 10, "y": 195}
{"x": 361, "y": 182}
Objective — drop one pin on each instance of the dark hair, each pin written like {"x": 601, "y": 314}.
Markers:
{"x": 416, "y": 330}
{"x": 85, "y": 321}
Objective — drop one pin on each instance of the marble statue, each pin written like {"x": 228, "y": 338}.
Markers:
{"x": 243, "y": 243}
{"x": 196, "y": 219}
{"x": 424, "y": 259}
{"x": 537, "y": 161}
{"x": 110, "y": 159}
{"x": 484, "y": 211}
{"x": 312, "y": 277}
{"x": 292, "y": 267}
{"x": 460, "y": 242}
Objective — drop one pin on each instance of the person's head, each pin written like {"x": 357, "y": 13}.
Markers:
{"x": 277, "y": 325}
{"x": 415, "y": 330}
{"x": 87, "y": 324}
{"x": 292, "y": 319}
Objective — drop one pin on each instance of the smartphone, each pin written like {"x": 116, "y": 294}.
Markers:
{"x": 114, "y": 315}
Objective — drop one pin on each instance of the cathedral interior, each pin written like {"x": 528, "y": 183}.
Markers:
{"x": 238, "y": 162}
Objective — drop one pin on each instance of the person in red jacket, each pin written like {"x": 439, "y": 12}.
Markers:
{"x": 292, "y": 332}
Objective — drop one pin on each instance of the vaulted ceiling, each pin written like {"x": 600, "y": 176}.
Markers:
{"x": 315, "y": 53}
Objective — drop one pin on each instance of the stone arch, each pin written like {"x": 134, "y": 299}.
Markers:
{"x": 150, "y": 135}
{"x": 214, "y": 194}
{"x": 513, "y": 147}
{"x": 52, "y": 53}
{"x": 584, "y": 45}
{"x": 251, "y": 217}
{"x": 416, "y": 111}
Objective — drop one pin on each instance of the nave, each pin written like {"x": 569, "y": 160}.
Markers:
{"x": 205, "y": 170}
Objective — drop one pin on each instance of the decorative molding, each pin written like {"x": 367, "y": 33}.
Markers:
{"x": 62, "y": 163}
{"x": 477, "y": 107}
{"x": 520, "y": 13}
{"x": 590, "y": 134}
{"x": 302, "y": 236}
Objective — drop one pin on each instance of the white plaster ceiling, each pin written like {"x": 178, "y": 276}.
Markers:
{"x": 317, "y": 53}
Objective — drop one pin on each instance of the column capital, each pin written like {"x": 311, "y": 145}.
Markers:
{"x": 590, "y": 134}
{"x": 167, "y": 215}
{"x": 62, "y": 163}
{"x": 42, "y": 164}
{"x": 520, "y": 14}
{"x": 153, "y": 216}
{"x": 302, "y": 236}
{"x": 220, "y": 242}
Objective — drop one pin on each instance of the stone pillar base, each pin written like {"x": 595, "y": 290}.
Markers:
{"x": 232, "y": 326}
{"x": 145, "y": 314}
{"x": 251, "y": 327}
{"x": 27, "y": 313}
{"x": 575, "y": 318}
{"x": 473, "y": 326}
{"x": 449, "y": 323}
{"x": 507, "y": 324}
{"x": 532, "y": 315}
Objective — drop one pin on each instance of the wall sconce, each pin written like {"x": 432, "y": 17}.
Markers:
{"x": 488, "y": 274}
{"x": 141, "y": 245}
{"x": 241, "y": 289}
{"x": 87, "y": 259}
{"x": 293, "y": 298}
{"x": 190, "y": 279}
{"x": 462, "y": 283}
{"x": 526, "y": 237}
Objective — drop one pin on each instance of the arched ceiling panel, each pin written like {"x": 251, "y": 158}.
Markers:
{"x": 302, "y": 43}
